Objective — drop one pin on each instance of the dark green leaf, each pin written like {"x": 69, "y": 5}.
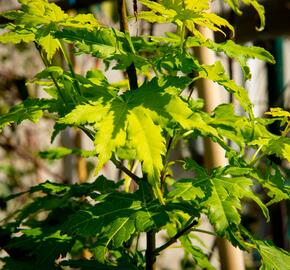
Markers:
{"x": 41, "y": 247}
{"x": 115, "y": 219}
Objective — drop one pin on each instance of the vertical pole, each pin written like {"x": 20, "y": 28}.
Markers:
{"x": 81, "y": 162}
{"x": 231, "y": 258}
{"x": 68, "y": 172}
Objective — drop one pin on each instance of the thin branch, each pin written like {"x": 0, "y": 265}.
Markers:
{"x": 212, "y": 249}
{"x": 46, "y": 64}
{"x": 120, "y": 166}
{"x": 117, "y": 163}
{"x": 71, "y": 68}
{"x": 170, "y": 145}
{"x": 175, "y": 237}
{"x": 182, "y": 37}
{"x": 163, "y": 172}
{"x": 88, "y": 132}
{"x": 204, "y": 231}
{"x": 132, "y": 168}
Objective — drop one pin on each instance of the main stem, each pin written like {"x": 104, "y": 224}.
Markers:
{"x": 133, "y": 81}
{"x": 131, "y": 70}
{"x": 150, "y": 251}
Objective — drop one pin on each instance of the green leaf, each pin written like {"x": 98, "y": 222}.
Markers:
{"x": 30, "y": 109}
{"x": 44, "y": 243}
{"x": 197, "y": 254}
{"x": 40, "y": 12}
{"x": 191, "y": 13}
{"x": 282, "y": 115}
{"x": 61, "y": 195}
{"x": 209, "y": 20}
{"x": 159, "y": 8}
{"x": 197, "y": 5}
{"x": 141, "y": 128}
{"x": 101, "y": 184}
{"x": 240, "y": 129}
{"x": 125, "y": 60}
{"x": 242, "y": 53}
{"x": 102, "y": 42}
{"x": 11, "y": 14}
{"x": 117, "y": 123}
{"x": 186, "y": 190}
{"x": 278, "y": 112}
{"x": 115, "y": 219}
{"x": 57, "y": 128}
{"x": 55, "y": 153}
{"x": 274, "y": 182}
{"x": 50, "y": 45}
{"x": 60, "y": 152}
{"x": 56, "y": 71}
{"x": 217, "y": 74}
{"x": 235, "y": 5}
{"x": 175, "y": 60}
{"x": 223, "y": 194}
{"x": 17, "y": 37}
{"x": 135, "y": 120}
{"x": 152, "y": 17}
{"x": 273, "y": 258}
{"x": 86, "y": 21}
{"x": 44, "y": 18}
{"x": 235, "y": 51}
{"x": 278, "y": 146}
{"x": 229, "y": 125}
{"x": 41, "y": 246}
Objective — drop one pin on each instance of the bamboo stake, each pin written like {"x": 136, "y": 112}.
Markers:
{"x": 231, "y": 258}
{"x": 81, "y": 162}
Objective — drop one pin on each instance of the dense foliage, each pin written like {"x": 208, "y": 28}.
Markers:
{"x": 141, "y": 124}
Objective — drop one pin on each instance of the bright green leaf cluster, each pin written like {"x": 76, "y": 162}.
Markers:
{"x": 141, "y": 126}
{"x": 220, "y": 193}
{"x": 38, "y": 20}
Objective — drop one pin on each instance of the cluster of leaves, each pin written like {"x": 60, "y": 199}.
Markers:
{"x": 141, "y": 125}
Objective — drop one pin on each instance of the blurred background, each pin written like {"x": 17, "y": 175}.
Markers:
{"x": 22, "y": 167}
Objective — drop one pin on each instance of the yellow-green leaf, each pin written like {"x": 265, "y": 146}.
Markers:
{"x": 17, "y": 37}
{"x": 50, "y": 45}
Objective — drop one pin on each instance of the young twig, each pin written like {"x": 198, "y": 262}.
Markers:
{"x": 175, "y": 237}
{"x": 117, "y": 163}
